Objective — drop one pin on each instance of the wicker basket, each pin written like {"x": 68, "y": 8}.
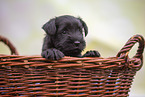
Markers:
{"x": 33, "y": 76}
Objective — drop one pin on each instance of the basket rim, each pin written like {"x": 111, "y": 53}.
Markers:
{"x": 69, "y": 62}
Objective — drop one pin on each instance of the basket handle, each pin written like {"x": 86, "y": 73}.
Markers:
{"x": 9, "y": 44}
{"x": 123, "y": 53}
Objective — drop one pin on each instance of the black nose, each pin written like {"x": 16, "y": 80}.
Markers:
{"x": 76, "y": 43}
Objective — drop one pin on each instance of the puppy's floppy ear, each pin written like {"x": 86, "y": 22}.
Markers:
{"x": 84, "y": 26}
{"x": 50, "y": 27}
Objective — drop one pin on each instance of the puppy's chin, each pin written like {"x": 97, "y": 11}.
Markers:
{"x": 74, "y": 52}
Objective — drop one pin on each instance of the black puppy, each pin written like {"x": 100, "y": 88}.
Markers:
{"x": 64, "y": 37}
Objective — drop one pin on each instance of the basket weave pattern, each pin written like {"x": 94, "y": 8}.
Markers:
{"x": 34, "y": 76}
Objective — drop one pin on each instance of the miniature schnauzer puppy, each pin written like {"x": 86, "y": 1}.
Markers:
{"x": 64, "y": 37}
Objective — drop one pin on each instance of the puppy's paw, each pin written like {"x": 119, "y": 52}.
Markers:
{"x": 52, "y": 54}
{"x": 92, "y": 53}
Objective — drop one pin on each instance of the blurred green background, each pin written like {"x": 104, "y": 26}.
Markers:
{"x": 111, "y": 23}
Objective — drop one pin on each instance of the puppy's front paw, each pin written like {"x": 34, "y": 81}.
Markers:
{"x": 92, "y": 53}
{"x": 52, "y": 54}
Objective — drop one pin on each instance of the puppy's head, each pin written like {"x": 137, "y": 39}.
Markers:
{"x": 66, "y": 33}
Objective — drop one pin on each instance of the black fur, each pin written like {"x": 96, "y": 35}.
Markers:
{"x": 64, "y": 37}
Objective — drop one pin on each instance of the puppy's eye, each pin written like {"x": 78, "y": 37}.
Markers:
{"x": 64, "y": 32}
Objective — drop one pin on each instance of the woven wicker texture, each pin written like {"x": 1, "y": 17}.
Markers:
{"x": 34, "y": 76}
